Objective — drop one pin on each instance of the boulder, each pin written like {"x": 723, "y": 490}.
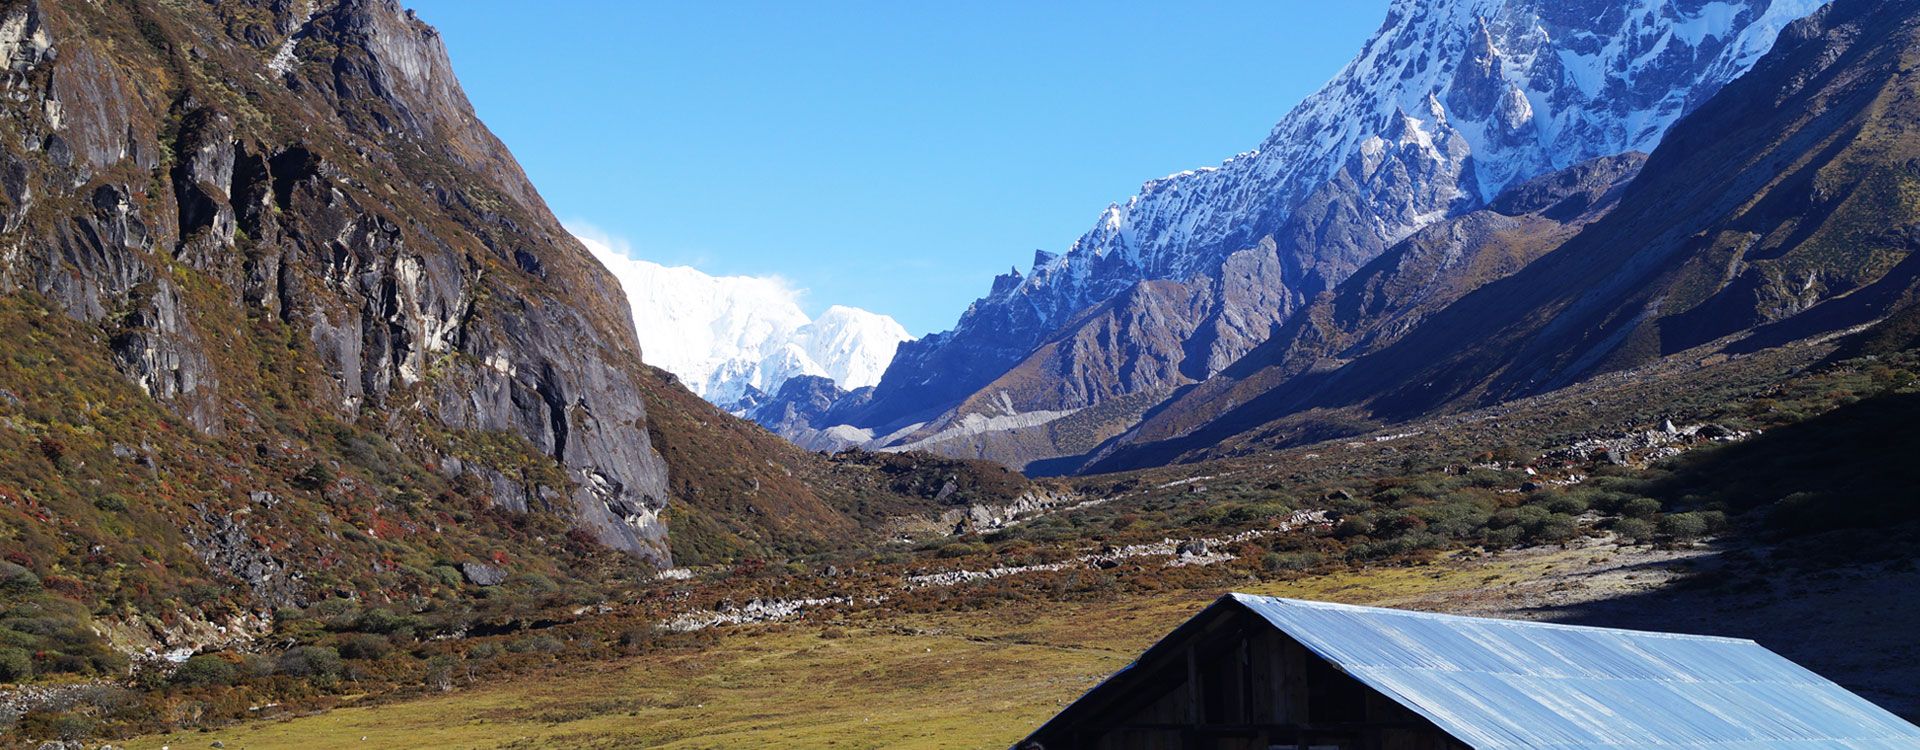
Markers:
{"x": 482, "y": 574}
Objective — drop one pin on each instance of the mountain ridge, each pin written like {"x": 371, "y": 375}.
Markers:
{"x": 1774, "y": 213}
{"x": 1445, "y": 103}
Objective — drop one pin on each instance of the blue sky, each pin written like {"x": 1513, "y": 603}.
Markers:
{"x": 893, "y": 156}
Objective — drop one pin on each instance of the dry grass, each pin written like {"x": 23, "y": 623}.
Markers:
{"x": 980, "y": 679}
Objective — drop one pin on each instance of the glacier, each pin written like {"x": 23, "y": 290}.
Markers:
{"x": 733, "y": 339}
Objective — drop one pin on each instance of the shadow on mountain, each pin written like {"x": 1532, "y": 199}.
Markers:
{"x": 1822, "y": 567}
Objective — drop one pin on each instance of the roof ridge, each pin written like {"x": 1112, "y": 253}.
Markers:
{"x": 1239, "y": 596}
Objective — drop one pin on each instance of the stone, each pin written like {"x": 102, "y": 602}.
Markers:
{"x": 1192, "y": 548}
{"x": 482, "y": 574}
{"x": 1714, "y": 431}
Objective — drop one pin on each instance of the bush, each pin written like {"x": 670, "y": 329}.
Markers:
{"x": 110, "y": 662}
{"x": 15, "y": 665}
{"x": 1633, "y": 529}
{"x": 17, "y": 581}
{"x": 365, "y": 646}
{"x": 1640, "y": 507}
{"x": 538, "y": 642}
{"x": 1353, "y": 526}
{"x": 448, "y": 575}
{"x": 1567, "y": 504}
{"x": 73, "y": 727}
{"x": 962, "y": 549}
{"x": 314, "y": 478}
{"x": 309, "y": 661}
{"x": 1557, "y": 527}
{"x": 535, "y": 583}
{"x": 203, "y": 670}
{"x": 376, "y": 620}
{"x": 1292, "y": 561}
{"x": 112, "y": 502}
{"x": 1684, "y": 527}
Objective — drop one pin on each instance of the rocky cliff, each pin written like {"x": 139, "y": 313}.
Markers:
{"x": 319, "y": 166}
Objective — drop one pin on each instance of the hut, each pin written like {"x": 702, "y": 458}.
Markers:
{"x": 1262, "y": 673}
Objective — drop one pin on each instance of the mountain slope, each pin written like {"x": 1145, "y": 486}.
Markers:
{"x": 1781, "y": 209}
{"x": 285, "y": 324}
{"x": 1389, "y": 299}
{"x": 1446, "y": 106}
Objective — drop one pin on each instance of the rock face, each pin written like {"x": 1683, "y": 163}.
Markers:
{"x": 1389, "y": 297}
{"x": 1449, "y": 104}
{"x": 342, "y": 188}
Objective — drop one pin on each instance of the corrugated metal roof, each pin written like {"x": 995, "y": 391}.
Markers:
{"x": 1499, "y": 684}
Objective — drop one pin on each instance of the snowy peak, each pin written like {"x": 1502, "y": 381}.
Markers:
{"x": 729, "y": 338}
{"x": 852, "y": 345}
{"x": 1449, "y": 103}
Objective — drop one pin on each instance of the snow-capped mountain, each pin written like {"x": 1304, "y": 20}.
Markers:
{"x": 1450, "y": 101}
{"x": 1464, "y": 96}
{"x": 732, "y": 338}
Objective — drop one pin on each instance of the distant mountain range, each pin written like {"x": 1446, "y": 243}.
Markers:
{"x": 1446, "y": 111}
{"x": 735, "y": 340}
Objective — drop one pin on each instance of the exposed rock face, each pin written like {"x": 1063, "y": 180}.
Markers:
{"x": 1450, "y": 103}
{"x": 1388, "y": 298}
{"x": 800, "y": 402}
{"x": 344, "y": 190}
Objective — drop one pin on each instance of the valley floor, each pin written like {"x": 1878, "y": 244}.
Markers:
{"x": 984, "y": 678}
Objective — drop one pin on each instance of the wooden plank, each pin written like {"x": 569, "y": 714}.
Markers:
{"x": 1196, "y": 693}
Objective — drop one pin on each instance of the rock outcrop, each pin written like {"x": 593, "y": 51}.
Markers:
{"x": 343, "y": 189}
